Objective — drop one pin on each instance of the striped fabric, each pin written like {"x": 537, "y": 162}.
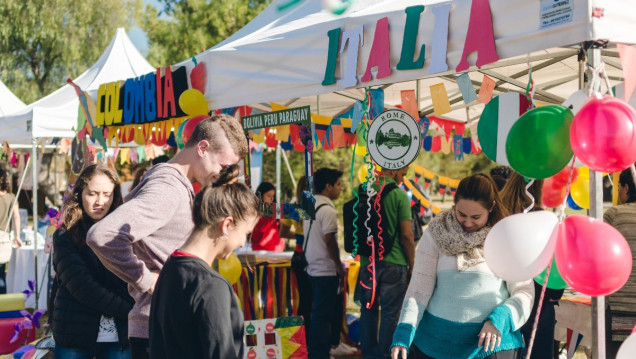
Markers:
{"x": 623, "y": 218}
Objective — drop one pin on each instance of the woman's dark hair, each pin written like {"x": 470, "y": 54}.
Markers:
{"x": 225, "y": 198}
{"x": 626, "y": 178}
{"x": 263, "y": 188}
{"x": 139, "y": 173}
{"x": 514, "y": 197}
{"x": 76, "y": 221}
{"x": 481, "y": 188}
{"x": 5, "y": 181}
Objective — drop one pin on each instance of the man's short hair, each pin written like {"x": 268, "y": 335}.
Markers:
{"x": 213, "y": 128}
{"x": 325, "y": 176}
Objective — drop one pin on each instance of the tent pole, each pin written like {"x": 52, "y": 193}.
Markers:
{"x": 34, "y": 155}
{"x": 278, "y": 152}
{"x": 596, "y": 211}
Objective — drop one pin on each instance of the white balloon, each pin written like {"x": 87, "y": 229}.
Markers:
{"x": 628, "y": 348}
{"x": 519, "y": 247}
{"x": 576, "y": 101}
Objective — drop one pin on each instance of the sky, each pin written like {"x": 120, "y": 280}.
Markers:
{"x": 138, "y": 36}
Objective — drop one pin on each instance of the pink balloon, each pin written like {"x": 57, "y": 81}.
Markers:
{"x": 603, "y": 134}
{"x": 592, "y": 256}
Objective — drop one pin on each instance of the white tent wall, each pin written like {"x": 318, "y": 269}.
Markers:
{"x": 285, "y": 55}
{"x": 9, "y": 103}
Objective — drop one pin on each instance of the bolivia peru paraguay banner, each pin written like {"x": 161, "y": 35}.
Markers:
{"x": 277, "y": 118}
{"x": 346, "y": 45}
{"x": 148, "y": 98}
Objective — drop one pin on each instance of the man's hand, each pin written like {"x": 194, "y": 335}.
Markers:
{"x": 156, "y": 277}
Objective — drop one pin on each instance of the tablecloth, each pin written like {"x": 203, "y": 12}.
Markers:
{"x": 21, "y": 269}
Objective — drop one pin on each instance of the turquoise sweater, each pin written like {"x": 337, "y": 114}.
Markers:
{"x": 445, "y": 309}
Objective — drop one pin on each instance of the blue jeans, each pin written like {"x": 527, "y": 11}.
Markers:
{"x": 102, "y": 351}
{"x": 325, "y": 299}
{"x": 391, "y": 286}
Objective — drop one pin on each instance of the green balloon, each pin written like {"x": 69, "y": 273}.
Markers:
{"x": 178, "y": 137}
{"x": 538, "y": 144}
{"x": 555, "y": 281}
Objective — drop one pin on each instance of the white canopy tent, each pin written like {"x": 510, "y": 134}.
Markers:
{"x": 56, "y": 114}
{"x": 282, "y": 56}
{"x": 9, "y": 103}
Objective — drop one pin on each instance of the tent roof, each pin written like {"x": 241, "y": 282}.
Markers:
{"x": 56, "y": 114}
{"x": 9, "y": 103}
{"x": 281, "y": 55}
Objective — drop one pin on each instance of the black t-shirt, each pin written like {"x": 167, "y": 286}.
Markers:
{"x": 194, "y": 313}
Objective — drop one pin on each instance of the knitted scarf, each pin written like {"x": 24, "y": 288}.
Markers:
{"x": 454, "y": 241}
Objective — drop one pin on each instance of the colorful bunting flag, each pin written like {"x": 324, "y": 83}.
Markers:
{"x": 466, "y": 87}
{"x": 485, "y": 91}
{"x": 439, "y": 96}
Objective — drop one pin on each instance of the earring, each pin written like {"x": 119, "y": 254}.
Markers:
{"x": 226, "y": 236}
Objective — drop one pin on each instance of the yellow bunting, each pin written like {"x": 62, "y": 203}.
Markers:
{"x": 260, "y": 137}
{"x": 420, "y": 197}
{"x": 139, "y": 136}
{"x": 615, "y": 178}
{"x": 443, "y": 180}
{"x": 277, "y": 106}
{"x": 282, "y": 133}
{"x": 453, "y": 183}
{"x": 447, "y": 144}
{"x": 123, "y": 155}
{"x": 320, "y": 119}
{"x": 439, "y": 96}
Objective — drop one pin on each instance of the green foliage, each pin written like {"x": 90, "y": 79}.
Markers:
{"x": 185, "y": 28}
{"x": 44, "y": 42}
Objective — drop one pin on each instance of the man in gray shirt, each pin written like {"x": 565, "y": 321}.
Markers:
{"x": 136, "y": 239}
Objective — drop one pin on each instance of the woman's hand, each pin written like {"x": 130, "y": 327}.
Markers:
{"x": 398, "y": 352}
{"x": 489, "y": 336}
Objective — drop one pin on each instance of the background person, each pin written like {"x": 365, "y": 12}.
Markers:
{"x": 455, "y": 307}
{"x": 623, "y": 218}
{"x": 194, "y": 312}
{"x": 265, "y": 236}
{"x": 325, "y": 270}
{"x": 90, "y": 314}
{"x": 7, "y": 212}
{"x": 515, "y": 199}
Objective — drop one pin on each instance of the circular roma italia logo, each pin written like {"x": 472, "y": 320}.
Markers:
{"x": 394, "y": 139}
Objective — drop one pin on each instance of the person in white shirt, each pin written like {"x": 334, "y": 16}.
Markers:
{"x": 325, "y": 270}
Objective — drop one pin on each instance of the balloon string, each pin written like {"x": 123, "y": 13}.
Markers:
{"x": 531, "y": 206}
{"x": 355, "y": 204}
{"x": 536, "y": 317}
{"x": 377, "y": 209}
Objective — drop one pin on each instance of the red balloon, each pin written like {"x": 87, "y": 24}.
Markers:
{"x": 552, "y": 194}
{"x": 603, "y": 134}
{"x": 593, "y": 257}
{"x": 188, "y": 128}
{"x": 561, "y": 178}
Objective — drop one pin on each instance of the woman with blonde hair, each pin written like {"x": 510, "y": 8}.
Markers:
{"x": 194, "y": 311}
{"x": 516, "y": 199}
